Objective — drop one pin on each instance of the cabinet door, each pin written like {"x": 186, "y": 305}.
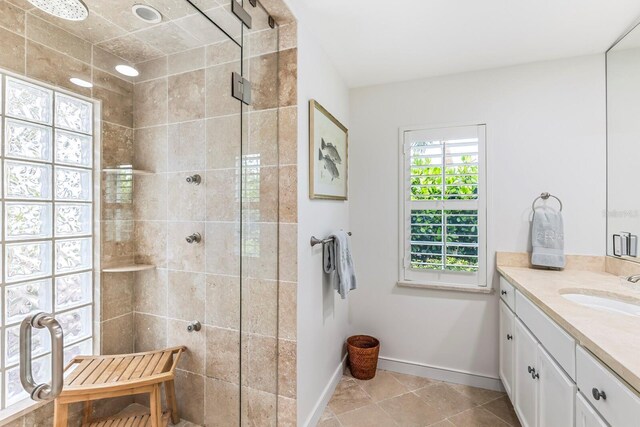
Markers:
{"x": 556, "y": 393}
{"x": 507, "y": 321}
{"x": 586, "y": 416}
{"x": 526, "y": 387}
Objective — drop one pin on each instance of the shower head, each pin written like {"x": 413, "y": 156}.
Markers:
{"x": 71, "y": 10}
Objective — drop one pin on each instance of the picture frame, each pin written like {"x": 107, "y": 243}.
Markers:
{"x": 328, "y": 155}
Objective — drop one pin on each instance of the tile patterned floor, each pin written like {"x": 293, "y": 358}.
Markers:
{"x": 392, "y": 399}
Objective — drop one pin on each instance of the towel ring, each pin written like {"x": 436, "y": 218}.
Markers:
{"x": 545, "y": 196}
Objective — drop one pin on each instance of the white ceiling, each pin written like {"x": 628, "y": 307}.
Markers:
{"x": 374, "y": 41}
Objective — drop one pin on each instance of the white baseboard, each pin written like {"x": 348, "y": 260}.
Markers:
{"x": 320, "y": 406}
{"x": 440, "y": 374}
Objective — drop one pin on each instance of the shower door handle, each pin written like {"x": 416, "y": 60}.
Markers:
{"x": 42, "y": 391}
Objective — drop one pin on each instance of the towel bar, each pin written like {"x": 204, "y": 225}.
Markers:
{"x": 545, "y": 196}
{"x": 316, "y": 241}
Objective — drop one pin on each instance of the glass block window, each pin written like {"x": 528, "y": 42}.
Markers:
{"x": 46, "y": 218}
{"x": 444, "y": 206}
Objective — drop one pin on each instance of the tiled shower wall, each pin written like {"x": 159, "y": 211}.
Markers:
{"x": 31, "y": 47}
{"x": 187, "y": 123}
{"x": 183, "y": 123}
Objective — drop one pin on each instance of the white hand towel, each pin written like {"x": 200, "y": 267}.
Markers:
{"x": 547, "y": 238}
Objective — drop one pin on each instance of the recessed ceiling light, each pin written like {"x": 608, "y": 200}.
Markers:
{"x": 146, "y": 13}
{"x": 80, "y": 82}
{"x": 127, "y": 70}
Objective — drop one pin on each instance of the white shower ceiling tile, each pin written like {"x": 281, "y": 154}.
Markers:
{"x": 168, "y": 38}
{"x": 201, "y": 28}
{"x": 94, "y": 29}
{"x": 118, "y": 12}
{"x": 131, "y": 48}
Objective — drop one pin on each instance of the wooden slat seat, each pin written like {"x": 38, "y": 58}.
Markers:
{"x": 143, "y": 420}
{"x": 89, "y": 378}
{"x": 95, "y": 372}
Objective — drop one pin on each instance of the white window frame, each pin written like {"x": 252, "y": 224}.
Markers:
{"x": 25, "y": 406}
{"x": 463, "y": 281}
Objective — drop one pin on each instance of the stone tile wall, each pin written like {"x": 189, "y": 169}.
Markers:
{"x": 176, "y": 120}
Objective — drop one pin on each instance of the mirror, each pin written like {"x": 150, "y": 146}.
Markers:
{"x": 623, "y": 147}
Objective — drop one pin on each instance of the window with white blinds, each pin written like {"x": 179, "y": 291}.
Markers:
{"x": 443, "y": 212}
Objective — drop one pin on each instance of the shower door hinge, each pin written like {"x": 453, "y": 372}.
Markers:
{"x": 242, "y": 14}
{"x": 240, "y": 88}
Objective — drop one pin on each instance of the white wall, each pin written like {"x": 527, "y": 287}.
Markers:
{"x": 545, "y": 132}
{"x": 322, "y": 315}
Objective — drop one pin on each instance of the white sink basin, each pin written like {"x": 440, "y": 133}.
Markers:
{"x": 605, "y": 303}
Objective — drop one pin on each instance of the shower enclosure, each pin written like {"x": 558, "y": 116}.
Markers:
{"x": 140, "y": 156}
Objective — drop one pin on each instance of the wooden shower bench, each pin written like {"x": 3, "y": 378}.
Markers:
{"x": 104, "y": 377}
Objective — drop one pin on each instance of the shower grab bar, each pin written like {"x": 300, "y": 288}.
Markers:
{"x": 545, "y": 196}
{"x": 43, "y": 391}
{"x": 316, "y": 241}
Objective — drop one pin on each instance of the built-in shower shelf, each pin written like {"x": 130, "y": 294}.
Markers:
{"x": 128, "y": 268}
{"x": 127, "y": 170}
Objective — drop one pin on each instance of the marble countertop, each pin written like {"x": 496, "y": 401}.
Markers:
{"x": 613, "y": 338}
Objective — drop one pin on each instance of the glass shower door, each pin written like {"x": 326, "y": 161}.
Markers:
{"x": 222, "y": 182}
{"x": 243, "y": 180}
{"x": 260, "y": 217}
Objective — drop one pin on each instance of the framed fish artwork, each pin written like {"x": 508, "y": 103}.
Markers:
{"x": 328, "y": 144}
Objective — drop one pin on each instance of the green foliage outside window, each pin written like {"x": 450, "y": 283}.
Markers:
{"x": 428, "y": 227}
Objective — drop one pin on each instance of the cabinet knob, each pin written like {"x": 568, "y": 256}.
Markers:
{"x": 509, "y": 336}
{"x": 503, "y": 292}
{"x": 597, "y": 394}
{"x": 530, "y": 369}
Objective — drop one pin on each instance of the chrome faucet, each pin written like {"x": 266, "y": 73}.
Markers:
{"x": 634, "y": 278}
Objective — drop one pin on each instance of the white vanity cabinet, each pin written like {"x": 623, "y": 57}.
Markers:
{"x": 614, "y": 400}
{"x": 586, "y": 416}
{"x": 556, "y": 392}
{"x": 507, "y": 350}
{"x": 551, "y": 380}
{"x": 544, "y": 394}
{"x": 526, "y": 387}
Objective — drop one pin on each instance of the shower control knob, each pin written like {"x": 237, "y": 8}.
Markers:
{"x": 194, "y": 238}
{"x": 194, "y": 326}
{"x": 194, "y": 179}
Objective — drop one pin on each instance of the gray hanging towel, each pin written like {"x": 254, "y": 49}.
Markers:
{"x": 328, "y": 256}
{"x": 338, "y": 263}
{"x": 547, "y": 238}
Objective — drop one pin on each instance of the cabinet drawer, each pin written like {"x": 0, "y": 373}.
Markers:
{"x": 557, "y": 342}
{"x": 621, "y": 406}
{"x": 508, "y": 293}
